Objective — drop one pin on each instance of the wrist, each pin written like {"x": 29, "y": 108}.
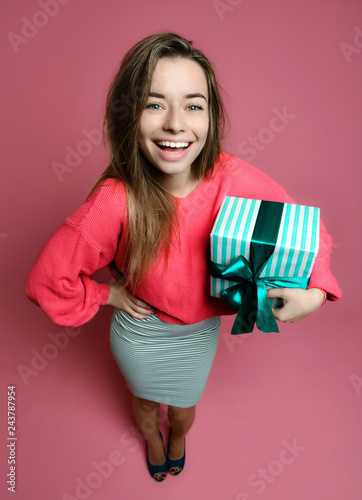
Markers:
{"x": 320, "y": 295}
{"x": 110, "y": 296}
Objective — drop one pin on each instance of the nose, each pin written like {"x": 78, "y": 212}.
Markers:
{"x": 174, "y": 121}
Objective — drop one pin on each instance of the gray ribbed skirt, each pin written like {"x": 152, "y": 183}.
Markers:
{"x": 161, "y": 361}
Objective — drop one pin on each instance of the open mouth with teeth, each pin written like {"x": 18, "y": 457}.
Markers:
{"x": 172, "y": 147}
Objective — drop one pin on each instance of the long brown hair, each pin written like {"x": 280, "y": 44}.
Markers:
{"x": 151, "y": 208}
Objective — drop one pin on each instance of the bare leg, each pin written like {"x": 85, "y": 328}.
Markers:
{"x": 181, "y": 420}
{"x": 147, "y": 416}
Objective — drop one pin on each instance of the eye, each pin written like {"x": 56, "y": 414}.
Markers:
{"x": 194, "y": 107}
{"x": 153, "y": 106}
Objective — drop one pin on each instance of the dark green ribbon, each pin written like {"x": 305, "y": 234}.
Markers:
{"x": 250, "y": 294}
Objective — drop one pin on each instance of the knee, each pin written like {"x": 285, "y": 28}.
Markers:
{"x": 181, "y": 414}
{"x": 145, "y": 405}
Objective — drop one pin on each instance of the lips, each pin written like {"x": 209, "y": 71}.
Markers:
{"x": 172, "y": 150}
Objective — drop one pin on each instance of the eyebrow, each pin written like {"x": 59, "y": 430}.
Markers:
{"x": 188, "y": 96}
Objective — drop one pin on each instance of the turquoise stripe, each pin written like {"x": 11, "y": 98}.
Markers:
{"x": 249, "y": 211}
{"x": 294, "y": 230}
{"x": 277, "y": 271}
{"x": 226, "y": 234}
{"x": 233, "y": 244}
{"x": 302, "y": 243}
{"x": 252, "y": 209}
{"x": 308, "y": 271}
{"x": 234, "y": 203}
{"x": 234, "y": 236}
{"x": 221, "y": 214}
{"x": 217, "y": 236}
{"x": 315, "y": 228}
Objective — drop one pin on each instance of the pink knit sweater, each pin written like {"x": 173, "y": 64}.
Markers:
{"x": 60, "y": 281}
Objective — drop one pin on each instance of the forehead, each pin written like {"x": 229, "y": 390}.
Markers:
{"x": 179, "y": 75}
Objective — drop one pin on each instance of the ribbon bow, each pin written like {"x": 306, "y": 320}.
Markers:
{"x": 250, "y": 295}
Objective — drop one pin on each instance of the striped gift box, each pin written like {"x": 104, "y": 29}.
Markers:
{"x": 295, "y": 250}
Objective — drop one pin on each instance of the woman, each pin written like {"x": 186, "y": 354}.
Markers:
{"x": 150, "y": 215}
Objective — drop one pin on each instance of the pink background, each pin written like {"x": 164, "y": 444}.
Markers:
{"x": 266, "y": 391}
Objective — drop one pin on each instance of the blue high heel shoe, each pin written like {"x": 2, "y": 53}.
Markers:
{"x": 158, "y": 472}
{"x": 175, "y": 464}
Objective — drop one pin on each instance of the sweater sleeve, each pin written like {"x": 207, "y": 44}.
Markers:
{"x": 60, "y": 280}
{"x": 258, "y": 185}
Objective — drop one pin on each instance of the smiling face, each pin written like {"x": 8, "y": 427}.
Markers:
{"x": 175, "y": 121}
